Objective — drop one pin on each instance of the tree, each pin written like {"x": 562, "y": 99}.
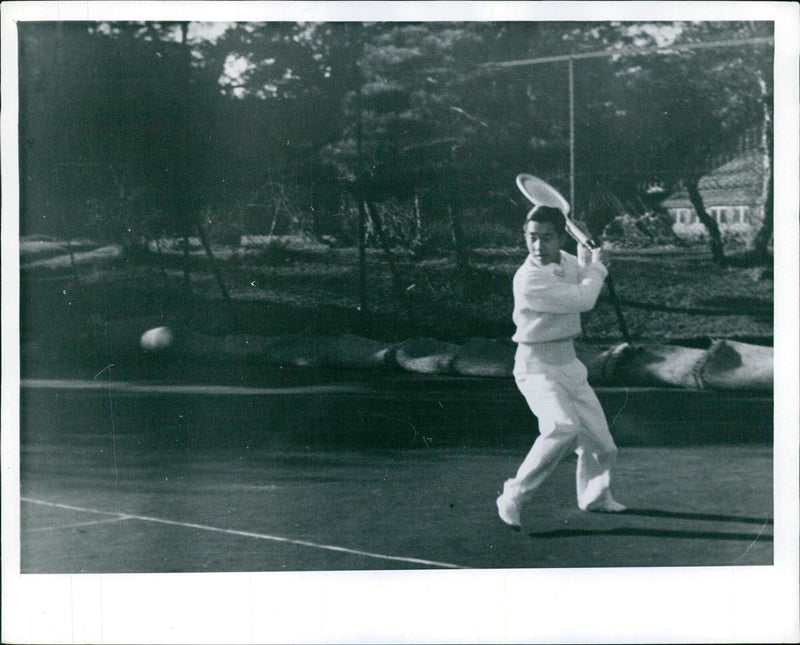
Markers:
{"x": 285, "y": 83}
{"x": 117, "y": 126}
{"x": 435, "y": 125}
{"x": 762, "y": 239}
{"x": 276, "y": 104}
{"x": 690, "y": 104}
{"x": 657, "y": 116}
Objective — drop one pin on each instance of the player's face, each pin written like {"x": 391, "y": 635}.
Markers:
{"x": 544, "y": 242}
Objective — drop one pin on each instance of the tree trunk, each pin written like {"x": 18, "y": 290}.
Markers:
{"x": 217, "y": 273}
{"x": 184, "y": 196}
{"x": 714, "y": 237}
{"x": 360, "y": 196}
{"x": 362, "y": 263}
{"x": 188, "y": 295}
{"x": 400, "y": 292}
{"x": 759, "y": 250}
{"x": 764, "y": 235}
{"x": 459, "y": 243}
{"x": 416, "y": 243}
{"x": 187, "y": 283}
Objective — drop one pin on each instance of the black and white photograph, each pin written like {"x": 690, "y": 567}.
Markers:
{"x": 400, "y": 322}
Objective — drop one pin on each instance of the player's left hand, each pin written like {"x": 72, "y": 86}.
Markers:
{"x": 601, "y": 255}
{"x": 584, "y": 256}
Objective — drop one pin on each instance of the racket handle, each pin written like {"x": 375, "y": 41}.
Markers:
{"x": 579, "y": 236}
{"x": 582, "y": 239}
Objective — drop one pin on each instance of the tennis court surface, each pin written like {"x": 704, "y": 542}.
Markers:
{"x": 167, "y": 478}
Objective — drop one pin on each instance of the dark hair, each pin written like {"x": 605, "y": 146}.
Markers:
{"x": 548, "y": 214}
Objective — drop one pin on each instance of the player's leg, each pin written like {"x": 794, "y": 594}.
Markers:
{"x": 558, "y": 435}
{"x": 597, "y": 452}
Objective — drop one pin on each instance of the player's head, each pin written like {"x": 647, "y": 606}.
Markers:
{"x": 548, "y": 214}
{"x": 545, "y": 231}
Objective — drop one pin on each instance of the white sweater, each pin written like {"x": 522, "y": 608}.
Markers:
{"x": 548, "y": 300}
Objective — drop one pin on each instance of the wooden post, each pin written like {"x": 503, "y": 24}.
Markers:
{"x": 571, "y": 136}
{"x": 187, "y": 285}
{"x": 362, "y": 261}
{"x": 416, "y": 243}
{"x": 217, "y": 273}
{"x": 460, "y": 244}
{"x": 398, "y": 285}
{"x": 362, "y": 217}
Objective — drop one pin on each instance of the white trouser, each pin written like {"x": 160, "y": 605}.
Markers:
{"x": 570, "y": 419}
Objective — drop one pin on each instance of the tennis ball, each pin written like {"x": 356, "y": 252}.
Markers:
{"x": 157, "y": 339}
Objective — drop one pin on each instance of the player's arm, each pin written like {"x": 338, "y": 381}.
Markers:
{"x": 546, "y": 293}
{"x": 587, "y": 257}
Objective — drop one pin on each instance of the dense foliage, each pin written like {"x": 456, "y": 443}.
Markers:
{"x": 132, "y": 130}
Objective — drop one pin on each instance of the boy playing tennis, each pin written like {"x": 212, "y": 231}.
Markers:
{"x": 551, "y": 289}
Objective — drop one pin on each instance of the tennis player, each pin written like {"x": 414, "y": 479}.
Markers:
{"x": 551, "y": 290}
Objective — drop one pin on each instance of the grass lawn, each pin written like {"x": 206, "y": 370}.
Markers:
{"x": 668, "y": 296}
{"x": 675, "y": 295}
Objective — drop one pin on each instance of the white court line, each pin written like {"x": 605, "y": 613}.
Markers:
{"x": 70, "y": 526}
{"x": 258, "y": 536}
{"x": 155, "y": 388}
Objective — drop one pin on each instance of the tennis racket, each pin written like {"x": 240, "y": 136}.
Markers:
{"x": 540, "y": 193}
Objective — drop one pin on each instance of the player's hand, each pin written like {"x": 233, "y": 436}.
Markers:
{"x": 584, "y": 256}
{"x": 600, "y": 255}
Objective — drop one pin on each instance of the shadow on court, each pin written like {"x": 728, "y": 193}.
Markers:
{"x": 652, "y": 512}
{"x": 658, "y": 533}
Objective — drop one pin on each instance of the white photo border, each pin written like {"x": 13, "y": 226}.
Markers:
{"x": 702, "y": 604}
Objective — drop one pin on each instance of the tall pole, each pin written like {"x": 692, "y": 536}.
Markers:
{"x": 571, "y": 135}
{"x": 360, "y": 196}
{"x": 605, "y": 53}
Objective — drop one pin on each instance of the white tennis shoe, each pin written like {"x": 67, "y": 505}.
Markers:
{"x": 508, "y": 512}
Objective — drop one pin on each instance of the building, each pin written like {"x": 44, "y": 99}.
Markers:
{"x": 733, "y": 194}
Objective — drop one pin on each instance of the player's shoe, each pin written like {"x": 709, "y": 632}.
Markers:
{"x": 606, "y": 504}
{"x": 508, "y": 512}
